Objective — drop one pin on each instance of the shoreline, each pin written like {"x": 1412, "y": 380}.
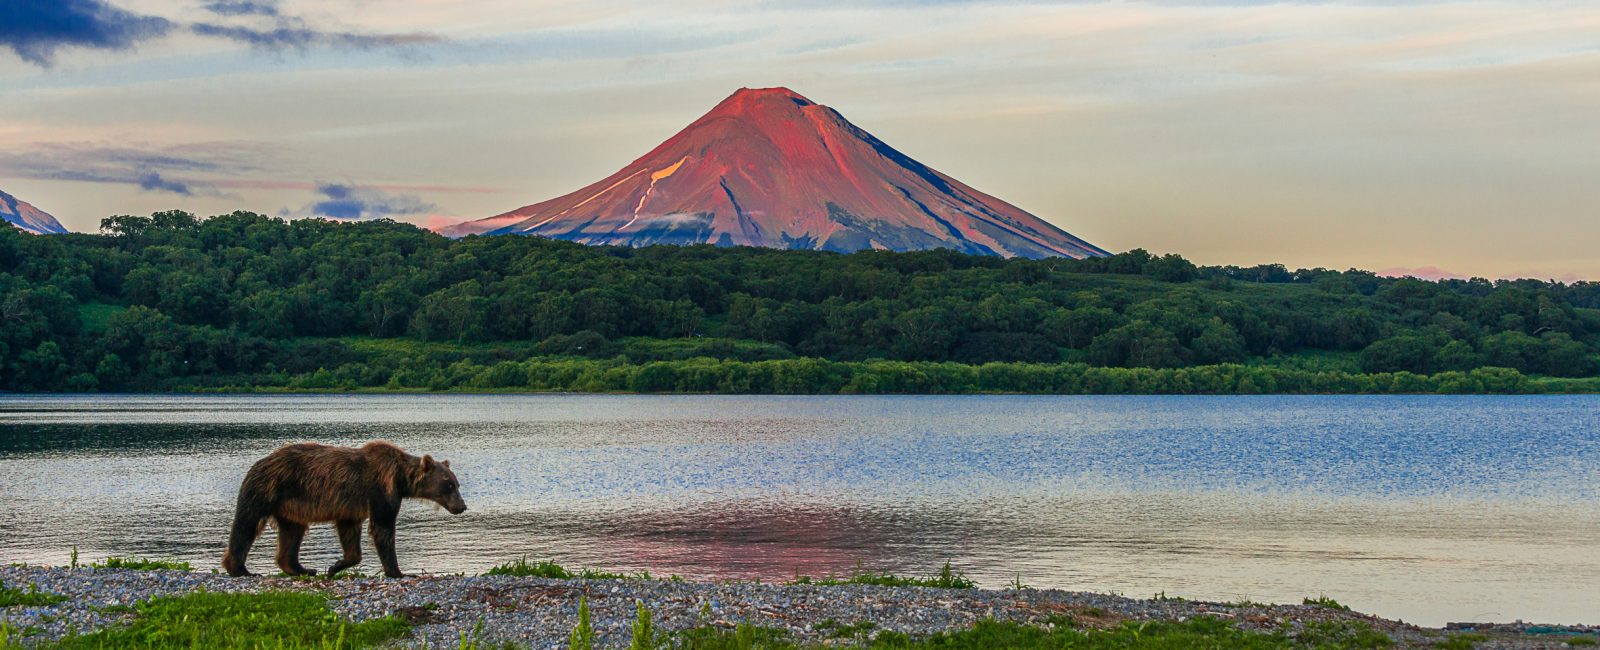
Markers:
{"x": 413, "y": 392}
{"x": 541, "y": 612}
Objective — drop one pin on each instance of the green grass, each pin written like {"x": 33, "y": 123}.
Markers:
{"x": 946, "y": 578}
{"x": 1340, "y": 634}
{"x": 1324, "y": 601}
{"x": 261, "y": 621}
{"x": 743, "y": 637}
{"x": 1195, "y": 634}
{"x": 522, "y": 568}
{"x": 13, "y": 597}
{"x": 11, "y": 636}
{"x": 1583, "y": 641}
{"x": 141, "y": 564}
{"x": 836, "y": 630}
{"x": 1461, "y": 641}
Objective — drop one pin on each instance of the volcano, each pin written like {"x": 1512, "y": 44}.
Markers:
{"x": 21, "y": 214}
{"x": 768, "y": 167}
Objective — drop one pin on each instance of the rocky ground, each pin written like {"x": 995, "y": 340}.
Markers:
{"x": 541, "y": 612}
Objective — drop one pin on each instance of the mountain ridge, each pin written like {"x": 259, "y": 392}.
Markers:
{"x": 24, "y": 216}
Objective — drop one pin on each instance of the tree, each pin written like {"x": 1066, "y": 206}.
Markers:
{"x": 1075, "y": 328}
{"x": 1170, "y": 268}
{"x": 1408, "y": 352}
{"x": 924, "y": 333}
{"x": 385, "y": 310}
{"x": 455, "y": 313}
{"x": 983, "y": 347}
{"x": 1218, "y": 343}
{"x": 1139, "y": 344}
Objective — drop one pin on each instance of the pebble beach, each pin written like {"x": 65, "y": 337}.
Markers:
{"x": 540, "y": 613}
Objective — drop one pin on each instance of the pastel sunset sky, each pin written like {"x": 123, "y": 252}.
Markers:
{"x": 1437, "y": 137}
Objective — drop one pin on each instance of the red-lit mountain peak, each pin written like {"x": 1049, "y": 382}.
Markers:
{"x": 768, "y": 167}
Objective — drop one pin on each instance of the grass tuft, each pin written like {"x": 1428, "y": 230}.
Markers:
{"x": 522, "y": 568}
{"x": 583, "y": 633}
{"x": 1324, "y": 601}
{"x": 142, "y": 564}
{"x": 946, "y": 578}
{"x": 13, "y": 597}
{"x": 644, "y": 630}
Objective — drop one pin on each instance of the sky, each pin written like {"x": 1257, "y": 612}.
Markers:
{"x": 1437, "y": 138}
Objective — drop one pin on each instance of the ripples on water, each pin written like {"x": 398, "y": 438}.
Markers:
{"x": 1424, "y": 508}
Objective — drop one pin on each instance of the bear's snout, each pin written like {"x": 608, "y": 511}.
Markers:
{"x": 457, "y": 509}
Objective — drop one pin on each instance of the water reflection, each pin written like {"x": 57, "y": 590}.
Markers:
{"x": 1423, "y": 508}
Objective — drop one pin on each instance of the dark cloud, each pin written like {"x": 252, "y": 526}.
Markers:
{"x": 34, "y": 29}
{"x": 345, "y": 201}
{"x": 290, "y": 34}
{"x": 154, "y": 182}
{"x": 241, "y": 8}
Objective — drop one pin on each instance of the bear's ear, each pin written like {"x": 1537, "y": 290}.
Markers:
{"x": 446, "y": 464}
{"x": 427, "y": 463}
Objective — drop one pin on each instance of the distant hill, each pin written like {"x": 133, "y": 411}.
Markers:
{"x": 23, "y": 215}
{"x": 768, "y": 167}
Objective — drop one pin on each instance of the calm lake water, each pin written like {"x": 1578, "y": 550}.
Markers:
{"x": 1422, "y": 508}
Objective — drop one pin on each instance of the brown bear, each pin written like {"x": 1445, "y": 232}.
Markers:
{"x": 309, "y": 483}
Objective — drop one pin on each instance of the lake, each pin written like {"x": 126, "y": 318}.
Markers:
{"x": 1429, "y": 509}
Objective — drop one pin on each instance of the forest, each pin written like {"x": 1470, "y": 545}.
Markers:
{"x": 245, "y": 302}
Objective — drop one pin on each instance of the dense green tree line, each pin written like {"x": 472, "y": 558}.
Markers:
{"x": 170, "y": 301}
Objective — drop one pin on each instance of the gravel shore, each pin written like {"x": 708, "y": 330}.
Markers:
{"x": 541, "y": 612}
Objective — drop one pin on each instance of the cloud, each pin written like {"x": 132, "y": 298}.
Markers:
{"x": 35, "y": 29}
{"x": 347, "y": 201}
{"x": 241, "y": 8}
{"x": 154, "y": 182}
{"x": 289, "y": 34}
{"x": 281, "y": 32}
{"x": 212, "y": 169}
{"x": 149, "y": 168}
{"x": 259, "y": 184}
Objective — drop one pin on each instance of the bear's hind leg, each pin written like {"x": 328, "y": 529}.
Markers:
{"x": 350, "y": 539}
{"x": 247, "y": 525}
{"x": 289, "y": 536}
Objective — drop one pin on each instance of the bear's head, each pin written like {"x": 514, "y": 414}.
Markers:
{"x": 435, "y": 482}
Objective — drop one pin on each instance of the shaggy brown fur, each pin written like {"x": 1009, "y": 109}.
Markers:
{"x": 308, "y": 483}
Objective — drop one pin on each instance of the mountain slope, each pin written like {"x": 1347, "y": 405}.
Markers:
{"x": 23, "y": 215}
{"x": 768, "y": 167}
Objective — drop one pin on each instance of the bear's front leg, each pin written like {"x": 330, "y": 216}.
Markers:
{"x": 383, "y": 539}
